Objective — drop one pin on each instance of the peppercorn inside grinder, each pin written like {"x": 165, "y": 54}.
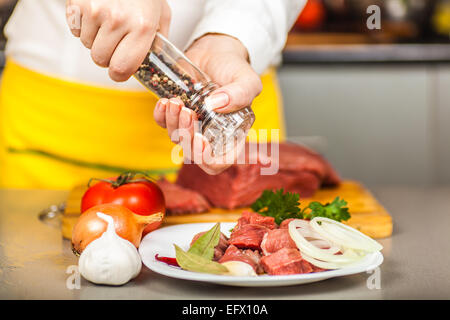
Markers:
{"x": 168, "y": 73}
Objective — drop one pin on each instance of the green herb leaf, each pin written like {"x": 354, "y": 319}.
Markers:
{"x": 335, "y": 210}
{"x": 284, "y": 206}
{"x": 278, "y": 204}
{"x": 205, "y": 244}
{"x": 193, "y": 262}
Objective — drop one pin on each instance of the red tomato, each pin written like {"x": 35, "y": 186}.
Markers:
{"x": 141, "y": 197}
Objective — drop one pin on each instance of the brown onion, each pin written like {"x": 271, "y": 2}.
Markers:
{"x": 128, "y": 225}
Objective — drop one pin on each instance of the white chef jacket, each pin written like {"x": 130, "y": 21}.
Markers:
{"x": 39, "y": 37}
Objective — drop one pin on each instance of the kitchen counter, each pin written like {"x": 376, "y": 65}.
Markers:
{"x": 34, "y": 258}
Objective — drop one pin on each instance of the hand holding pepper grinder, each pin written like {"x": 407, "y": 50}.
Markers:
{"x": 168, "y": 73}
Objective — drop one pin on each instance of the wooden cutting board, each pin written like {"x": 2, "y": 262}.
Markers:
{"x": 367, "y": 214}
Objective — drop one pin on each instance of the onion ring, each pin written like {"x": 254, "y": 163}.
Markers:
{"x": 344, "y": 235}
{"x": 306, "y": 247}
{"x": 320, "y": 239}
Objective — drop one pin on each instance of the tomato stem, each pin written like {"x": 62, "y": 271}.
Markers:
{"x": 124, "y": 178}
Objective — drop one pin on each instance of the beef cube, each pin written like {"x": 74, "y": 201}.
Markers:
{"x": 247, "y": 256}
{"x": 275, "y": 240}
{"x": 285, "y": 223}
{"x": 248, "y": 236}
{"x": 285, "y": 261}
{"x": 249, "y": 217}
{"x": 256, "y": 257}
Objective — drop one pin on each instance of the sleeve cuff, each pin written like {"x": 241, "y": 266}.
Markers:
{"x": 253, "y": 36}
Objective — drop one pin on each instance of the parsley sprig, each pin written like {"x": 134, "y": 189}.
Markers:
{"x": 284, "y": 205}
{"x": 279, "y": 205}
{"x": 335, "y": 210}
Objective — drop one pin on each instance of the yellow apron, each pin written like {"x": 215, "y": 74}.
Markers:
{"x": 56, "y": 134}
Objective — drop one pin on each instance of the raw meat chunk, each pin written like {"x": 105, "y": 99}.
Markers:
{"x": 247, "y": 256}
{"x": 248, "y": 236}
{"x": 275, "y": 240}
{"x": 285, "y": 223}
{"x": 301, "y": 170}
{"x": 249, "y": 217}
{"x": 180, "y": 200}
{"x": 285, "y": 261}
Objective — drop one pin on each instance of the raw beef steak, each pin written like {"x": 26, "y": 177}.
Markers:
{"x": 180, "y": 200}
{"x": 300, "y": 170}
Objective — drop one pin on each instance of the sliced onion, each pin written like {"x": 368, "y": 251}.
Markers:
{"x": 325, "y": 245}
{"x": 344, "y": 235}
{"x": 300, "y": 223}
{"x": 316, "y": 239}
{"x": 309, "y": 249}
{"x": 329, "y": 265}
{"x": 319, "y": 243}
{"x": 309, "y": 233}
{"x": 321, "y": 264}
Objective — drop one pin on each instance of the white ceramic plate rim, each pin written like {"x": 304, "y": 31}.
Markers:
{"x": 149, "y": 247}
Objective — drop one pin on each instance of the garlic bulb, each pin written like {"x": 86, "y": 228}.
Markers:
{"x": 110, "y": 259}
{"x": 239, "y": 268}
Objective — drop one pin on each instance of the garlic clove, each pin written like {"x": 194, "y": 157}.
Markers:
{"x": 239, "y": 268}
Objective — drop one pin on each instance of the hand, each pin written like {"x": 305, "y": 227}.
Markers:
{"x": 225, "y": 60}
{"x": 118, "y": 32}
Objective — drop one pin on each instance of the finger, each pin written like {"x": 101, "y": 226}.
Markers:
{"x": 160, "y": 112}
{"x": 129, "y": 53}
{"x": 185, "y": 126}
{"x": 164, "y": 22}
{"x": 236, "y": 95}
{"x": 197, "y": 148}
{"x": 73, "y": 17}
{"x": 201, "y": 154}
{"x": 89, "y": 30}
{"x": 186, "y": 130}
{"x": 105, "y": 43}
{"x": 208, "y": 160}
{"x": 173, "y": 117}
{"x": 211, "y": 165}
{"x": 186, "y": 119}
{"x": 214, "y": 170}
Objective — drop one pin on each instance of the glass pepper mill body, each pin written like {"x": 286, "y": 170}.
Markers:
{"x": 168, "y": 73}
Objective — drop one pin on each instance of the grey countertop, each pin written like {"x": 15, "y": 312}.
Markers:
{"x": 34, "y": 258}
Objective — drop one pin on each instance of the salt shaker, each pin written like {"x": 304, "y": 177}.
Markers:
{"x": 168, "y": 73}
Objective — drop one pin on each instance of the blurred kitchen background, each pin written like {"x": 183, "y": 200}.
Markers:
{"x": 375, "y": 102}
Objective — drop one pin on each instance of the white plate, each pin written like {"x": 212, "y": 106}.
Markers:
{"x": 161, "y": 242}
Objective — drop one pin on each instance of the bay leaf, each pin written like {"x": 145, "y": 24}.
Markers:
{"x": 205, "y": 244}
{"x": 193, "y": 262}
